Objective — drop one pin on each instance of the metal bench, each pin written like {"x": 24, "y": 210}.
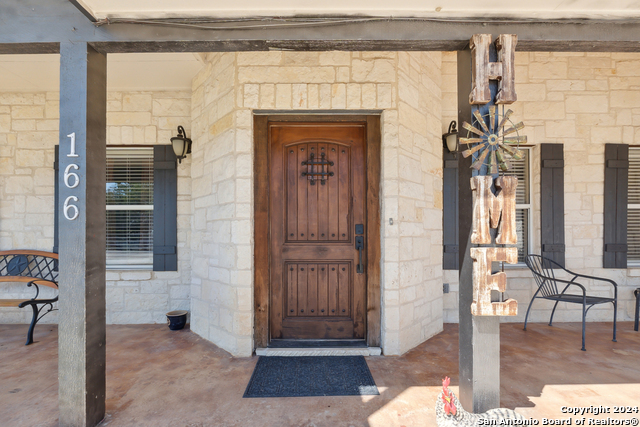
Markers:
{"x": 544, "y": 269}
{"x": 37, "y": 268}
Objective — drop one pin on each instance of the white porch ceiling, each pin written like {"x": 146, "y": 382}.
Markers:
{"x": 130, "y": 71}
{"x": 543, "y": 9}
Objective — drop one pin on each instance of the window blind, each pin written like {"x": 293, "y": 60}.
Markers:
{"x": 633, "y": 211}
{"x": 129, "y": 207}
{"x": 520, "y": 168}
{"x": 522, "y": 231}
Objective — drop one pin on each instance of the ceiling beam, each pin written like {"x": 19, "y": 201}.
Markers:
{"x": 29, "y": 48}
{"x": 46, "y": 23}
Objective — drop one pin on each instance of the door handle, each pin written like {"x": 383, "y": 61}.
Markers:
{"x": 360, "y": 248}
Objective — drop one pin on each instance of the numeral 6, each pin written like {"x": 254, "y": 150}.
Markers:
{"x": 67, "y": 207}
{"x": 68, "y": 175}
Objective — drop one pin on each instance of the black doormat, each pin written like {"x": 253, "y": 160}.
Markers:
{"x": 311, "y": 376}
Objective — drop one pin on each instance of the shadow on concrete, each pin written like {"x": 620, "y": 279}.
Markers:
{"x": 158, "y": 377}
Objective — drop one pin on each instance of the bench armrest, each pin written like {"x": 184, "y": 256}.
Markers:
{"x": 37, "y": 301}
{"x": 35, "y": 284}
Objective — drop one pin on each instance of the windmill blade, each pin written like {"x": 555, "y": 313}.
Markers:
{"x": 492, "y": 115}
{"x": 519, "y": 155}
{"x": 505, "y": 118}
{"x": 480, "y": 160}
{"x": 480, "y": 120}
{"x": 508, "y": 149}
{"x": 504, "y": 165}
{"x": 493, "y": 166}
{"x": 513, "y": 152}
{"x": 467, "y": 153}
{"x": 516, "y": 140}
{"x": 471, "y": 140}
{"x": 515, "y": 128}
{"x": 470, "y": 128}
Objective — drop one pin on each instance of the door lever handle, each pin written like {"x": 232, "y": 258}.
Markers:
{"x": 360, "y": 248}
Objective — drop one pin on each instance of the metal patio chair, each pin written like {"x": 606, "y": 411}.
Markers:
{"x": 543, "y": 271}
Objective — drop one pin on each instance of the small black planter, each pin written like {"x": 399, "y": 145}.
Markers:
{"x": 177, "y": 319}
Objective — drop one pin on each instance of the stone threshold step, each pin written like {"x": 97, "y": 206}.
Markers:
{"x": 320, "y": 351}
{"x": 322, "y": 343}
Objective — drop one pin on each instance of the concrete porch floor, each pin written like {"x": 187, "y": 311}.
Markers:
{"x": 156, "y": 377}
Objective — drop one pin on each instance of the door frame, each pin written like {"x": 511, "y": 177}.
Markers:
{"x": 262, "y": 286}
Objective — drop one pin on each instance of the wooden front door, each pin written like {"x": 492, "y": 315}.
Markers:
{"x": 318, "y": 219}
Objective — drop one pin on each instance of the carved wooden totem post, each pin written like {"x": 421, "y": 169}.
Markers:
{"x": 487, "y": 204}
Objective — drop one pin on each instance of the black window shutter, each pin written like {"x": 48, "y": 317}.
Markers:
{"x": 616, "y": 178}
{"x": 552, "y": 202}
{"x": 56, "y": 198}
{"x": 165, "y": 209}
{"x": 450, "y": 259}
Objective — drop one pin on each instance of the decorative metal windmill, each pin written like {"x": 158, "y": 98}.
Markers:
{"x": 493, "y": 141}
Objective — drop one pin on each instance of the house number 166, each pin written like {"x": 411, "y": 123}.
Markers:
{"x": 71, "y": 180}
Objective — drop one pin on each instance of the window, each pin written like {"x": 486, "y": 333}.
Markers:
{"x": 522, "y": 169}
{"x": 142, "y": 208}
{"x": 129, "y": 208}
{"x": 633, "y": 208}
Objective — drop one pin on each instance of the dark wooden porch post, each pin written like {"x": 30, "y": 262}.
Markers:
{"x": 479, "y": 336}
{"x": 81, "y": 343}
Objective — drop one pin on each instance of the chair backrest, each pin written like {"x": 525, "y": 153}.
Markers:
{"x": 543, "y": 271}
{"x": 26, "y": 266}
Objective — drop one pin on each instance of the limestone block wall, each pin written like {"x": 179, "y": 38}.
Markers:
{"x": 413, "y": 248}
{"x": 222, "y": 249}
{"x": 28, "y": 135}
{"x": 150, "y": 118}
{"x": 582, "y": 100}
{"x": 28, "y": 132}
{"x": 225, "y": 94}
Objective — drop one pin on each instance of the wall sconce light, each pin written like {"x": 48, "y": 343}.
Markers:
{"x": 181, "y": 144}
{"x": 450, "y": 139}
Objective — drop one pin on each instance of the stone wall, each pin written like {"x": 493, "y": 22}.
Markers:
{"x": 28, "y": 134}
{"x": 222, "y": 241}
{"x": 413, "y": 245}
{"x": 225, "y": 94}
{"x": 582, "y": 100}
{"x": 150, "y": 118}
